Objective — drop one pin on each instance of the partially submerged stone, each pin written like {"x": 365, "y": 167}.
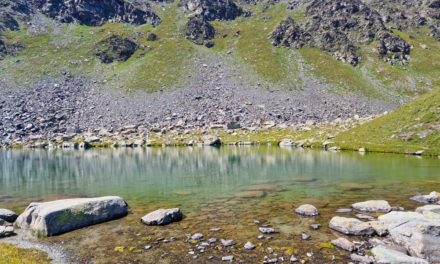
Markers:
{"x": 343, "y": 243}
{"x": 382, "y": 254}
{"x": 8, "y": 215}
{"x": 250, "y": 194}
{"x": 307, "y": 210}
{"x": 162, "y": 217}
{"x": 61, "y": 216}
{"x": 351, "y": 226}
{"x": 354, "y": 186}
{"x": 373, "y": 206}
{"x": 267, "y": 188}
{"x": 426, "y": 199}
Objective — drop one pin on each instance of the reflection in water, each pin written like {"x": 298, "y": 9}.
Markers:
{"x": 205, "y": 182}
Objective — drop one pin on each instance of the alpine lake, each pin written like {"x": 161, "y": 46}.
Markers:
{"x": 215, "y": 187}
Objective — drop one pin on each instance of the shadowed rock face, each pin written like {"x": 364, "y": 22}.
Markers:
{"x": 8, "y": 22}
{"x": 338, "y": 27}
{"x": 115, "y": 47}
{"x": 213, "y": 9}
{"x": 95, "y": 12}
{"x": 198, "y": 30}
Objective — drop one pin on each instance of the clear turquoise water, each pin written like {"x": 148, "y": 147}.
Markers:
{"x": 152, "y": 178}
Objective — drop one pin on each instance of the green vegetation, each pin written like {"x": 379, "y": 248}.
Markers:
{"x": 10, "y": 254}
{"x": 413, "y": 127}
{"x": 169, "y": 61}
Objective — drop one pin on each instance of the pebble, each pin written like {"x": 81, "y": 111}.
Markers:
{"x": 147, "y": 247}
{"x": 228, "y": 258}
{"x": 315, "y": 226}
{"x": 249, "y": 246}
{"x": 212, "y": 240}
{"x": 227, "y": 243}
{"x": 260, "y": 237}
{"x": 305, "y": 237}
{"x": 344, "y": 211}
{"x": 197, "y": 236}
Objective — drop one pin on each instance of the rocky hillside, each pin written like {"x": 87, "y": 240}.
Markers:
{"x": 112, "y": 63}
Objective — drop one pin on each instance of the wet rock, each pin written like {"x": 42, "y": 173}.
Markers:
{"x": 227, "y": 243}
{"x": 307, "y": 210}
{"x": 8, "y": 215}
{"x": 415, "y": 232}
{"x": 254, "y": 194}
{"x": 304, "y": 236}
{"x": 96, "y": 12}
{"x": 268, "y": 230}
{"x": 343, "y": 243}
{"x": 351, "y": 226}
{"x": 115, "y": 47}
{"x": 162, "y": 217}
{"x": 354, "y": 186}
{"x": 426, "y": 199}
{"x": 361, "y": 259}
{"x": 249, "y": 246}
{"x": 210, "y": 140}
{"x": 197, "y": 236}
{"x": 382, "y": 254}
{"x": 315, "y": 226}
{"x": 228, "y": 258}
{"x": 198, "y": 30}
{"x": 373, "y": 206}
{"x": 56, "y": 217}
{"x": 343, "y": 211}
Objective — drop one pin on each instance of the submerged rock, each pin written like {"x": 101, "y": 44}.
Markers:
{"x": 250, "y": 194}
{"x": 354, "y": 186}
{"x": 57, "y": 217}
{"x": 267, "y": 188}
{"x": 162, "y": 217}
{"x": 307, "y": 210}
{"x": 382, "y": 254}
{"x": 351, "y": 226}
{"x": 373, "y": 206}
{"x": 8, "y": 215}
{"x": 343, "y": 243}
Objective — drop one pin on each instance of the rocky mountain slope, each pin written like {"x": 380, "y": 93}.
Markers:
{"x": 120, "y": 62}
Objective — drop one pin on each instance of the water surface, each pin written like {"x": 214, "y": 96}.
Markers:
{"x": 206, "y": 184}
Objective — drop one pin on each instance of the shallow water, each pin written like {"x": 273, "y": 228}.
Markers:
{"x": 206, "y": 183}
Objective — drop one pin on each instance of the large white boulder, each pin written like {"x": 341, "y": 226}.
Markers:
{"x": 61, "y": 216}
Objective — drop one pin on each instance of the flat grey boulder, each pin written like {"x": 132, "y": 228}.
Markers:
{"x": 426, "y": 199}
{"x": 162, "y": 217}
{"x": 210, "y": 140}
{"x": 307, "y": 210}
{"x": 373, "y": 206}
{"x": 421, "y": 210}
{"x": 8, "y": 215}
{"x": 351, "y": 226}
{"x": 384, "y": 255}
{"x": 417, "y": 233}
{"x": 61, "y": 216}
{"x": 381, "y": 228}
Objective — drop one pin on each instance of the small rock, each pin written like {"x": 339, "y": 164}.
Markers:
{"x": 344, "y": 211}
{"x": 8, "y": 215}
{"x": 212, "y": 240}
{"x": 307, "y": 209}
{"x": 315, "y": 226}
{"x": 162, "y": 217}
{"x": 305, "y": 237}
{"x": 227, "y": 243}
{"x": 268, "y": 230}
{"x": 343, "y": 243}
{"x": 197, "y": 236}
{"x": 215, "y": 229}
{"x": 373, "y": 206}
{"x": 228, "y": 258}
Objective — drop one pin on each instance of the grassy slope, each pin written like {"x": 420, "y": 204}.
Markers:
{"x": 382, "y": 133}
{"x": 10, "y": 254}
{"x": 168, "y": 60}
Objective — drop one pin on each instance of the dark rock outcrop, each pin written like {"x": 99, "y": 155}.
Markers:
{"x": 289, "y": 34}
{"x": 198, "y": 30}
{"x": 213, "y": 9}
{"x": 96, "y": 12}
{"x": 115, "y": 47}
{"x": 7, "y": 21}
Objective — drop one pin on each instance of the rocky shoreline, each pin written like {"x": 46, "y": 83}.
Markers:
{"x": 397, "y": 236}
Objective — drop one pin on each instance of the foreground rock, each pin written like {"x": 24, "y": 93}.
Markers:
{"x": 382, "y": 254}
{"x": 351, "y": 226}
{"x": 307, "y": 210}
{"x": 6, "y": 231}
{"x": 8, "y": 215}
{"x": 162, "y": 217}
{"x": 418, "y": 234}
{"x": 343, "y": 243}
{"x": 373, "y": 206}
{"x": 211, "y": 140}
{"x": 57, "y": 217}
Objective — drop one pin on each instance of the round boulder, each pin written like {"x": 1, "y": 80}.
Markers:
{"x": 373, "y": 206}
{"x": 307, "y": 210}
{"x": 162, "y": 217}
